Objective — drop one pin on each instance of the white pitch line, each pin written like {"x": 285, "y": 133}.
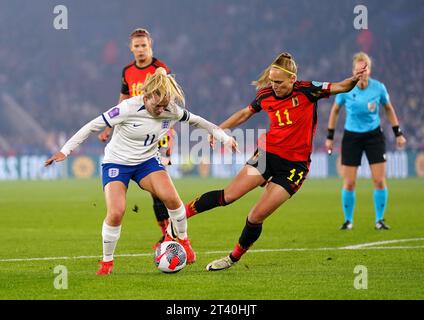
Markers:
{"x": 364, "y": 246}
{"x": 277, "y": 250}
{"x": 396, "y": 247}
{"x": 371, "y": 244}
{"x": 48, "y": 258}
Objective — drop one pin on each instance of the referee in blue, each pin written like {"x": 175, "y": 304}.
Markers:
{"x": 363, "y": 134}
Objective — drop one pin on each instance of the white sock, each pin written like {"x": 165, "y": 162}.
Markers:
{"x": 179, "y": 220}
{"x": 110, "y": 238}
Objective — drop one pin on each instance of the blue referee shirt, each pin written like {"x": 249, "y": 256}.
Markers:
{"x": 363, "y": 105}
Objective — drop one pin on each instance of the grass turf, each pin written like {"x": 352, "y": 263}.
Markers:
{"x": 63, "y": 219}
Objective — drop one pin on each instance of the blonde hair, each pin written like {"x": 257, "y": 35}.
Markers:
{"x": 284, "y": 62}
{"x": 361, "y": 56}
{"x": 164, "y": 87}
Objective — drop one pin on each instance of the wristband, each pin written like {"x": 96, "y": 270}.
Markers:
{"x": 330, "y": 134}
{"x": 397, "y": 131}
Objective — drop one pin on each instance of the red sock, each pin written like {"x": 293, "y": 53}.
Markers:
{"x": 190, "y": 210}
{"x": 237, "y": 253}
{"x": 163, "y": 225}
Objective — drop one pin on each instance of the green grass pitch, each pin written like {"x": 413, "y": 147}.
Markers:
{"x": 297, "y": 257}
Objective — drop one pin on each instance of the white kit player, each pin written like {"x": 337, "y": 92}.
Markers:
{"x": 132, "y": 154}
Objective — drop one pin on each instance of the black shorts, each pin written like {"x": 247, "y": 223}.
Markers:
{"x": 354, "y": 144}
{"x": 288, "y": 174}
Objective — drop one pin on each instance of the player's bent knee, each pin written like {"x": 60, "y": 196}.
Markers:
{"x": 114, "y": 216}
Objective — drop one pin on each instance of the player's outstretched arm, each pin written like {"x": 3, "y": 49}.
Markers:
{"x": 237, "y": 118}
{"x": 349, "y": 83}
{"x": 58, "y": 156}
{"x": 214, "y": 130}
{"x": 234, "y": 120}
{"x": 78, "y": 138}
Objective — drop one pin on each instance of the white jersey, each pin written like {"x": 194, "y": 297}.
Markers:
{"x": 137, "y": 132}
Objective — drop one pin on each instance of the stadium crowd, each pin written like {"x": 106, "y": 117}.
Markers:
{"x": 53, "y": 81}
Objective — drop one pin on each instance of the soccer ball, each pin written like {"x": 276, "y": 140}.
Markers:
{"x": 170, "y": 257}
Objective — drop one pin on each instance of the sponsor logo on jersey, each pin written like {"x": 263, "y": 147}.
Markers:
{"x": 113, "y": 172}
{"x": 113, "y": 113}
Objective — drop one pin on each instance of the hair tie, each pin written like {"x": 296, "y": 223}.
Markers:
{"x": 285, "y": 70}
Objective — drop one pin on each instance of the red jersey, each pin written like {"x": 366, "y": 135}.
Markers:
{"x": 133, "y": 77}
{"x": 293, "y": 119}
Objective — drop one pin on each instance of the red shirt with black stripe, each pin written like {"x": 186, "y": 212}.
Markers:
{"x": 293, "y": 119}
{"x": 133, "y": 77}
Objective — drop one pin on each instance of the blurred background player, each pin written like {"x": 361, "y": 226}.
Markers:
{"x": 141, "y": 121}
{"x": 133, "y": 76}
{"x": 363, "y": 134}
{"x": 283, "y": 156}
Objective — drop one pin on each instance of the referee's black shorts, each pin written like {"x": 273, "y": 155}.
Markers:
{"x": 288, "y": 174}
{"x": 354, "y": 144}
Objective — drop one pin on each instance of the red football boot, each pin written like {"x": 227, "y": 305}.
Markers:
{"x": 163, "y": 225}
{"x": 105, "y": 268}
{"x": 157, "y": 244}
{"x": 170, "y": 234}
{"x": 191, "y": 255}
